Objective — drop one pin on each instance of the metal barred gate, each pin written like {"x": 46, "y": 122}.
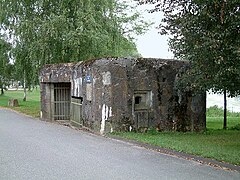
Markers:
{"x": 62, "y": 98}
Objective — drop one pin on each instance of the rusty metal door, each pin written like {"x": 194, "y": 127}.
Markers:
{"x": 62, "y": 98}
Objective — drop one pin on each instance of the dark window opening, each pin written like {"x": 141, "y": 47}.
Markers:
{"x": 81, "y": 98}
{"x": 77, "y": 99}
{"x": 164, "y": 79}
{"x": 138, "y": 99}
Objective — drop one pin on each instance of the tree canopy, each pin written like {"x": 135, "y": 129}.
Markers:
{"x": 207, "y": 33}
{"x": 5, "y": 67}
{"x": 57, "y": 31}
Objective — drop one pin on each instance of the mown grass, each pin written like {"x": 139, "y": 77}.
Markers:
{"x": 215, "y": 118}
{"x": 222, "y": 145}
{"x": 216, "y": 143}
{"x": 30, "y": 107}
{"x": 217, "y": 122}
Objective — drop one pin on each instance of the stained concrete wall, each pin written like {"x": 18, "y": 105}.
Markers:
{"x": 121, "y": 94}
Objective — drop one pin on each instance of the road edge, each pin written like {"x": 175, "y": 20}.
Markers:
{"x": 202, "y": 160}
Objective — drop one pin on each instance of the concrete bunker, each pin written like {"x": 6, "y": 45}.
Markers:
{"x": 120, "y": 94}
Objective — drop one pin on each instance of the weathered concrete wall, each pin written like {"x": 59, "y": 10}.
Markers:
{"x": 121, "y": 94}
{"x": 45, "y": 95}
{"x": 55, "y": 73}
{"x": 155, "y": 80}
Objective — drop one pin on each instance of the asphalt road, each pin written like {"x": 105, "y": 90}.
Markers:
{"x": 33, "y": 149}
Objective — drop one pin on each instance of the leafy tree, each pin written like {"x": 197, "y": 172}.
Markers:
{"x": 207, "y": 33}
{"x": 5, "y": 67}
{"x": 57, "y": 31}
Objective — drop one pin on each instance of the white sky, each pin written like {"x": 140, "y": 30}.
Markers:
{"x": 152, "y": 44}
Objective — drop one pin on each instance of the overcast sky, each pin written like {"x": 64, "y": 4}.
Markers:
{"x": 152, "y": 44}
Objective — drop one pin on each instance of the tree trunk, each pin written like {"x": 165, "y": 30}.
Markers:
{"x": 24, "y": 88}
{"x": 2, "y": 92}
{"x": 225, "y": 111}
{"x": 25, "y": 94}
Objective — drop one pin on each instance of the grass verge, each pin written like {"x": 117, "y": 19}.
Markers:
{"x": 215, "y": 143}
{"x": 30, "y": 107}
{"x": 222, "y": 145}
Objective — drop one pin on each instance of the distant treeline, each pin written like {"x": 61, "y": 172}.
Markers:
{"x": 215, "y": 111}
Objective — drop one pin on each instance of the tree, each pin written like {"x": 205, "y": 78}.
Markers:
{"x": 58, "y": 31}
{"x": 207, "y": 33}
{"x": 5, "y": 67}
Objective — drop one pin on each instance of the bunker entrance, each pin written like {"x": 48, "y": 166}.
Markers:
{"x": 62, "y": 98}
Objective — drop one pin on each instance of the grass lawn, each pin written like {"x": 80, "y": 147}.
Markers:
{"x": 215, "y": 143}
{"x": 30, "y": 107}
{"x": 223, "y": 145}
{"x": 217, "y": 122}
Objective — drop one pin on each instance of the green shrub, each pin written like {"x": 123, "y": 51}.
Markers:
{"x": 237, "y": 127}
